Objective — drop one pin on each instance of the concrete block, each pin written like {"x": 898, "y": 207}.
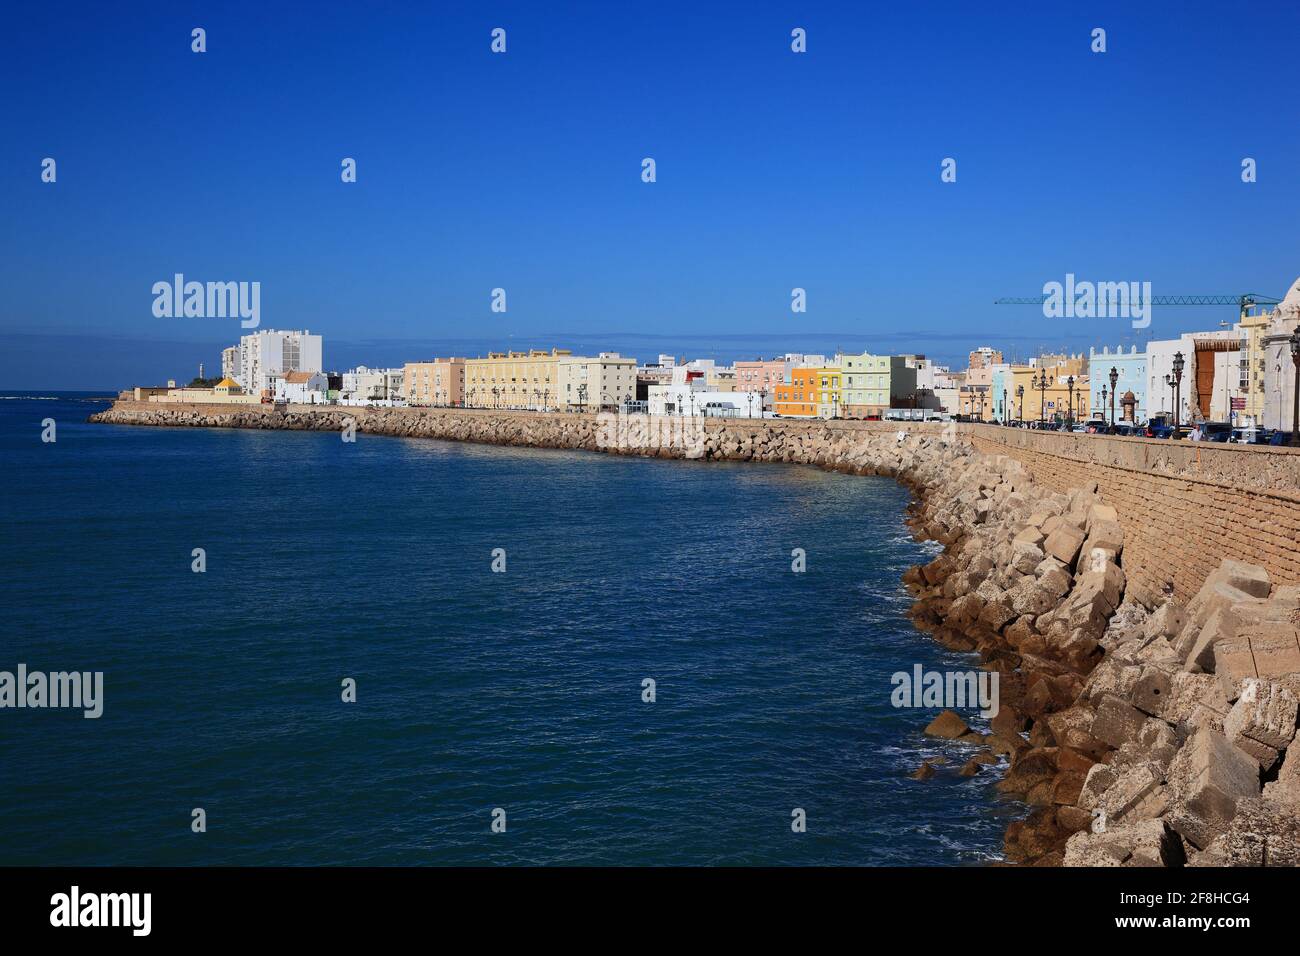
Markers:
{"x": 1263, "y": 720}
{"x": 1117, "y": 721}
{"x": 1064, "y": 543}
{"x": 1209, "y": 776}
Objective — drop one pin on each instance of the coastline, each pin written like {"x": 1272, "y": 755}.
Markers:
{"x": 1033, "y": 581}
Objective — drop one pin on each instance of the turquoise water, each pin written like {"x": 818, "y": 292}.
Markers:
{"x": 476, "y": 690}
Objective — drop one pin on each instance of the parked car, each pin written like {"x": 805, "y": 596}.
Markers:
{"x": 1216, "y": 431}
{"x": 1159, "y": 427}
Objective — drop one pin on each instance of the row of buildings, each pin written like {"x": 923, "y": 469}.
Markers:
{"x": 1240, "y": 373}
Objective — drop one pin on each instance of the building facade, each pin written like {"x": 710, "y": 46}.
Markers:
{"x": 372, "y": 386}
{"x": 1131, "y": 376}
{"x": 762, "y": 376}
{"x": 301, "y": 388}
{"x": 269, "y": 352}
{"x": 1253, "y": 362}
{"x": 1279, "y": 368}
{"x": 812, "y": 393}
{"x": 440, "y": 382}
{"x": 605, "y": 382}
{"x": 230, "y": 366}
{"x": 865, "y": 385}
{"x": 526, "y": 380}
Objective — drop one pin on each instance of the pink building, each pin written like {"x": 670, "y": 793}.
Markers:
{"x": 761, "y": 376}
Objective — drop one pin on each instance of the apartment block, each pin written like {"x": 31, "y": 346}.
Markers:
{"x": 439, "y": 382}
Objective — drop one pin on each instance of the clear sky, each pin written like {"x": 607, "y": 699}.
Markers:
{"x": 523, "y": 171}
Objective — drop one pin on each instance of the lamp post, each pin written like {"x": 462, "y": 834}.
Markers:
{"x": 1004, "y": 406}
{"x": 1169, "y": 384}
{"x": 1295, "y": 398}
{"x": 1114, "y": 380}
{"x": 1041, "y": 381}
{"x": 1179, "y": 363}
{"x": 1069, "y": 420}
{"x": 1104, "y": 393}
{"x": 1020, "y": 394}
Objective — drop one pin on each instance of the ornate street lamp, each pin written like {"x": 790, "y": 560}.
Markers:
{"x": 1020, "y": 394}
{"x": 1041, "y": 381}
{"x": 1069, "y": 421}
{"x": 1104, "y": 393}
{"x": 1295, "y": 398}
{"x": 1004, "y": 406}
{"x": 1179, "y": 363}
{"x": 1114, "y": 380}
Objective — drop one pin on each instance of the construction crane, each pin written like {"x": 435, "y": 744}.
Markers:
{"x": 1242, "y": 302}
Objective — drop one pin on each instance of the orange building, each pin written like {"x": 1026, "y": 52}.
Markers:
{"x": 812, "y": 393}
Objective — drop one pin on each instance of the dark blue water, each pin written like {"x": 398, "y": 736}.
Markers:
{"x": 476, "y": 690}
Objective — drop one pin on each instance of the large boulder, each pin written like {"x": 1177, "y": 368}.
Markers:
{"x": 1117, "y": 721}
{"x": 948, "y": 726}
{"x": 1166, "y": 621}
{"x": 1263, "y": 720}
{"x": 1269, "y": 650}
{"x": 1145, "y": 843}
{"x": 1064, "y": 543}
{"x": 1208, "y": 778}
{"x": 1262, "y": 833}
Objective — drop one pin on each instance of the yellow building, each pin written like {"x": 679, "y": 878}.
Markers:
{"x": 812, "y": 393}
{"x": 1056, "y": 400}
{"x": 514, "y": 379}
{"x": 1253, "y": 361}
{"x": 867, "y": 386}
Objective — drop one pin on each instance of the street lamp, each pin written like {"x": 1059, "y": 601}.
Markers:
{"x": 1104, "y": 393}
{"x": 1295, "y": 399}
{"x": 1114, "y": 380}
{"x": 1041, "y": 381}
{"x": 1004, "y": 406}
{"x": 1020, "y": 394}
{"x": 1179, "y": 362}
{"x": 1069, "y": 421}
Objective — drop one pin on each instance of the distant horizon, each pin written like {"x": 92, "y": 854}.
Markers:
{"x": 179, "y": 360}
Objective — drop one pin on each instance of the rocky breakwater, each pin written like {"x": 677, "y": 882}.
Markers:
{"x": 1139, "y": 736}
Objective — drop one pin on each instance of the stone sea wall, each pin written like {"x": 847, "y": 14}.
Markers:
{"x": 1148, "y": 684}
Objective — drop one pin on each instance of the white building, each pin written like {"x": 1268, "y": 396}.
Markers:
{"x": 1210, "y": 380}
{"x": 230, "y": 363}
{"x": 372, "y": 386}
{"x": 301, "y": 388}
{"x": 804, "y": 360}
{"x": 607, "y": 381}
{"x": 1279, "y": 368}
{"x": 270, "y": 351}
{"x": 935, "y": 386}
{"x": 688, "y": 396}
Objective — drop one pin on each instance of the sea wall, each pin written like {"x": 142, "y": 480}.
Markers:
{"x": 1148, "y": 680}
{"x": 1185, "y": 505}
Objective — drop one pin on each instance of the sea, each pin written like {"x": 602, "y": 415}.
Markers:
{"x": 421, "y": 653}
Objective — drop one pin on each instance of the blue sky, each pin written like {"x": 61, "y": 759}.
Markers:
{"x": 522, "y": 171}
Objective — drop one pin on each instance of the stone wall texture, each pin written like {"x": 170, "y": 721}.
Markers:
{"x": 1184, "y": 506}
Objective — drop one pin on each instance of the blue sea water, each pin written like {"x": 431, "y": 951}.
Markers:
{"x": 476, "y": 690}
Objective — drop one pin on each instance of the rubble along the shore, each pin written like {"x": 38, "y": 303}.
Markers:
{"x": 1139, "y": 736}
